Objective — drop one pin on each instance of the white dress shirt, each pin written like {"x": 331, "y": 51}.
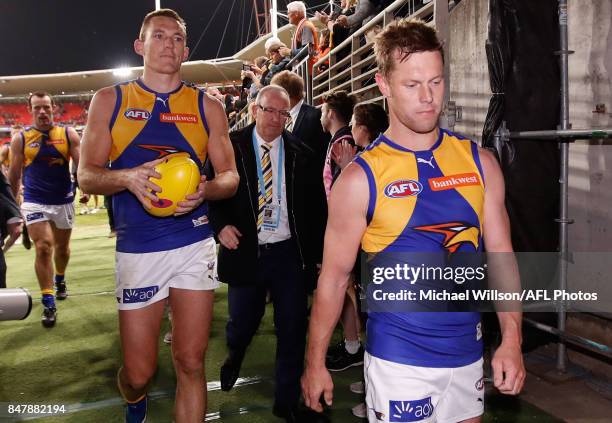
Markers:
{"x": 294, "y": 112}
{"x": 282, "y": 232}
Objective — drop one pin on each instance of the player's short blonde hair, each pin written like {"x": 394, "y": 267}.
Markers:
{"x": 168, "y": 13}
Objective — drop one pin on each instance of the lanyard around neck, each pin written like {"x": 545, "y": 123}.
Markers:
{"x": 279, "y": 174}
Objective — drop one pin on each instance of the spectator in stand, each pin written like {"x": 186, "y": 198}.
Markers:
{"x": 251, "y": 80}
{"x": 305, "y": 31}
{"x": 338, "y": 33}
{"x": 365, "y": 10}
{"x": 324, "y": 48}
{"x": 279, "y": 55}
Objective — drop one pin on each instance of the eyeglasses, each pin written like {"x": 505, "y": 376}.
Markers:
{"x": 280, "y": 113}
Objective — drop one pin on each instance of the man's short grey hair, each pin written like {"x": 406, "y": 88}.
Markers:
{"x": 297, "y": 6}
{"x": 273, "y": 43}
{"x": 268, "y": 89}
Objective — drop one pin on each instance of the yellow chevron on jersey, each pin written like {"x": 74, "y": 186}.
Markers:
{"x": 35, "y": 142}
{"x": 135, "y": 109}
{"x": 423, "y": 201}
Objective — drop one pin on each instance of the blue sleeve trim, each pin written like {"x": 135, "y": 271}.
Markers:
{"x": 371, "y": 187}
{"x": 476, "y": 156}
{"x": 201, "y": 107}
{"x": 117, "y": 107}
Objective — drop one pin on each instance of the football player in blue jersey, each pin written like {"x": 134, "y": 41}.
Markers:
{"x": 42, "y": 154}
{"x": 135, "y": 125}
{"x": 417, "y": 188}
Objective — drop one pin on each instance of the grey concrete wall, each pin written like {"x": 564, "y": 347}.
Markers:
{"x": 590, "y": 36}
{"x": 590, "y": 70}
{"x": 469, "y": 76}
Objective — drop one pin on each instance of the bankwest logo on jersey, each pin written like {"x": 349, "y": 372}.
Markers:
{"x": 55, "y": 142}
{"x": 403, "y": 188}
{"x": 453, "y": 181}
{"x": 137, "y": 114}
{"x": 178, "y": 118}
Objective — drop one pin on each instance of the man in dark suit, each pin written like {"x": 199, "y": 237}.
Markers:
{"x": 10, "y": 223}
{"x": 305, "y": 124}
{"x": 269, "y": 242}
{"x": 305, "y": 120}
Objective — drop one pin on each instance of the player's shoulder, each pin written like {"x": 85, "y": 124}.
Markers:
{"x": 105, "y": 95}
{"x": 487, "y": 158}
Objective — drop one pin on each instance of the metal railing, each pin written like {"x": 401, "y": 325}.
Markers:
{"x": 351, "y": 65}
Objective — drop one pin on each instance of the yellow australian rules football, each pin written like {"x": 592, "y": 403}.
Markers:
{"x": 180, "y": 177}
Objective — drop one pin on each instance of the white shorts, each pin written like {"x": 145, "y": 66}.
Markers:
{"x": 61, "y": 215}
{"x": 402, "y": 393}
{"x": 143, "y": 279}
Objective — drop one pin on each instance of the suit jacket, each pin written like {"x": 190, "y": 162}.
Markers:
{"x": 8, "y": 207}
{"x": 308, "y": 129}
{"x": 305, "y": 206}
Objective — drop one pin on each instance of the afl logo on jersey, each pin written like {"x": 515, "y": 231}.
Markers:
{"x": 137, "y": 114}
{"x": 403, "y": 188}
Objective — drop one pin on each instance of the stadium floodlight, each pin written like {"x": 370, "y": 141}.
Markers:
{"x": 122, "y": 71}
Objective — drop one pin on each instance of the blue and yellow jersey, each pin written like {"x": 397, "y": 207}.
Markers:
{"x": 424, "y": 202}
{"x": 46, "y": 175}
{"x": 145, "y": 126}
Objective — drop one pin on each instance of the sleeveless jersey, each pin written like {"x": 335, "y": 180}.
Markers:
{"x": 145, "y": 126}
{"x": 424, "y": 202}
{"x": 46, "y": 174}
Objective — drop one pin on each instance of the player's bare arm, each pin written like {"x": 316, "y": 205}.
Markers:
{"x": 94, "y": 177}
{"x": 507, "y": 363}
{"x": 4, "y": 155}
{"x": 345, "y": 227}
{"x": 16, "y": 167}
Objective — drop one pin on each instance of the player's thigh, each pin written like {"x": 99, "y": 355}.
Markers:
{"x": 191, "y": 297}
{"x": 139, "y": 331}
{"x": 41, "y": 233}
{"x": 192, "y": 312}
{"x": 61, "y": 237}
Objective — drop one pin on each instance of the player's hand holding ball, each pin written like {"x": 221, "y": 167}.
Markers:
{"x": 180, "y": 184}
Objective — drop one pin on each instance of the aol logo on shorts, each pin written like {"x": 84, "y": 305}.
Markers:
{"x": 410, "y": 411}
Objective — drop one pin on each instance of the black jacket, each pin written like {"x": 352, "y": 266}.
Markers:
{"x": 8, "y": 207}
{"x": 306, "y": 210}
{"x": 308, "y": 129}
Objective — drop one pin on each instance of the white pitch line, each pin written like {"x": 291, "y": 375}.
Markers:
{"x": 117, "y": 401}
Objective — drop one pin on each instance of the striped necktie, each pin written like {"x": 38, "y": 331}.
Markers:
{"x": 266, "y": 167}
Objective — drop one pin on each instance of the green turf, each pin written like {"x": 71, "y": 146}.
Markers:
{"x": 76, "y": 362}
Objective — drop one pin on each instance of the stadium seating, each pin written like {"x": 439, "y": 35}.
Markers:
{"x": 70, "y": 113}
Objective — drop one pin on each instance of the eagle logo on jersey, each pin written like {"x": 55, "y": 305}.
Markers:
{"x": 53, "y": 161}
{"x": 455, "y": 234}
{"x": 163, "y": 150}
